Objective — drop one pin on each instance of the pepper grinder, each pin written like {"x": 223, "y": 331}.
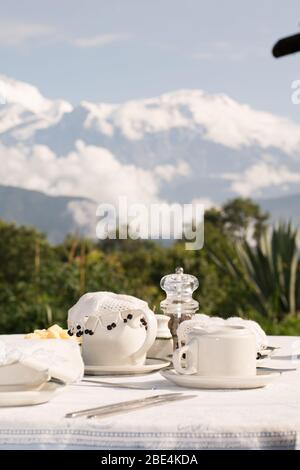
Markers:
{"x": 179, "y": 304}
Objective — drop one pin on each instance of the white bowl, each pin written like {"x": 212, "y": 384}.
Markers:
{"x": 18, "y": 376}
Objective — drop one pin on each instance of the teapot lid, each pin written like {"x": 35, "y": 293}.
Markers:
{"x": 103, "y": 306}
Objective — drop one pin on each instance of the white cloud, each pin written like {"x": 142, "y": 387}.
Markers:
{"x": 206, "y": 202}
{"x": 87, "y": 171}
{"x": 99, "y": 40}
{"x": 169, "y": 172}
{"x": 217, "y": 118}
{"x": 84, "y": 214}
{"x": 14, "y": 34}
{"x": 259, "y": 176}
{"x": 90, "y": 172}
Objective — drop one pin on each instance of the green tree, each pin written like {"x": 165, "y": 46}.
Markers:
{"x": 240, "y": 215}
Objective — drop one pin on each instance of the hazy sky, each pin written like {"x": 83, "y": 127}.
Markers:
{"x": 115, "y": 50}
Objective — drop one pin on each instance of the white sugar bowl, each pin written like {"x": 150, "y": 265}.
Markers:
{"x": 163, "y": 345}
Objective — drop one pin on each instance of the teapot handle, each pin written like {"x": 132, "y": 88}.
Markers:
{"x": 150, "y": 336}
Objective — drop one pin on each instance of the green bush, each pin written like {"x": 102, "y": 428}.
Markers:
{"x": 258, "y": 280}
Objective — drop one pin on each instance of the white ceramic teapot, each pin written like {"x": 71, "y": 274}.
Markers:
{"x": 116, "y": 329}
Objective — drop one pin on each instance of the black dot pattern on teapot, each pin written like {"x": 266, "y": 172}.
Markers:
{"x": 88, "y": 332}
{"x": 79, "y": 331}
{"x": 129, "y": 317}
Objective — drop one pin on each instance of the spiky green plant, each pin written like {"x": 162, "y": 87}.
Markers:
{"x": 270, "y": 270}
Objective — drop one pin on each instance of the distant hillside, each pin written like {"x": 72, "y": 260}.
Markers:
{"x": 54, "y": 216}
{"x": 285, "y": 208}
{"x": 57, "y": 216}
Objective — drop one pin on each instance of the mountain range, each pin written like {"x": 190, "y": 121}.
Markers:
{"x": 182, "y": 146}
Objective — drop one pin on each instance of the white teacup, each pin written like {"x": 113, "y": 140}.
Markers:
{"x": 113, "y": 336}
{"x": 226, "y": 351}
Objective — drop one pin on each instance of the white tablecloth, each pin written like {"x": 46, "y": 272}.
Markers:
{"x": 233, "y": 419}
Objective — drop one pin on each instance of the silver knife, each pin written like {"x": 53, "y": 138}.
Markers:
{"x": 276, "y": 369}
{"x": 128, "y": 405}
{"x": 103, "y": 413}
{"x": 121, "y": 405}
{"x": 118, "y": 384}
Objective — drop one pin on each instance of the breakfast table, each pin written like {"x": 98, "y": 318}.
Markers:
{"x": 263, "y": 418}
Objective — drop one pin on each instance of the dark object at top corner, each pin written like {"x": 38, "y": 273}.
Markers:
{"x": 287, "y": 46}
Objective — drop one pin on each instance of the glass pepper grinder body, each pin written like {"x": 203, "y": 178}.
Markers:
{"x": 179, "y": 304}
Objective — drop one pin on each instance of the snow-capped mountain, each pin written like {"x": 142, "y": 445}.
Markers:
{"x": 181, "y": 146}
{"x": 24, "y": 110}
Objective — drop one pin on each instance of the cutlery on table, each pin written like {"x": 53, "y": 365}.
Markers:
{"x": 126, "y": 406}
{"x": 267, "y": 352}
{"x": 276, "y": 369}
{"x": 119, "y": 384}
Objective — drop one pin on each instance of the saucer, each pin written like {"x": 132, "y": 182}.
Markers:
{"x": 22, "y": 387}
{"x": 31, "y": 397}
{"x": 151, "y": 365}
{"x": 261, "y": 379}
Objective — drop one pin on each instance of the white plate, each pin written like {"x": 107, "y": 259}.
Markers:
{"x": 31, "y": 397}
{"x": 261, "y": 379}
{"x": 150, "y": 366}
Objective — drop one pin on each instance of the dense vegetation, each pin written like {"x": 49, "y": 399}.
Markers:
{"x": 246, "y": 268}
